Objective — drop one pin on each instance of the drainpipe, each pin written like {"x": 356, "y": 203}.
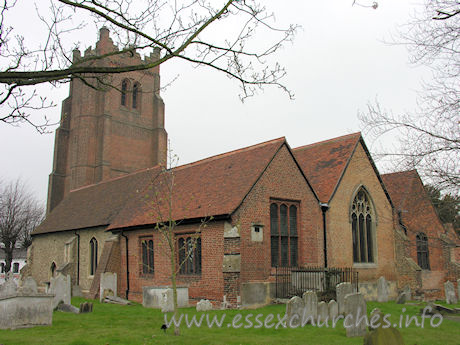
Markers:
{"x": 324, "y": 208}
{"x": 78, "y": 257}
{"x": 127, "y": 265}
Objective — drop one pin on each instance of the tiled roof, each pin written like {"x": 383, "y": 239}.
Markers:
{"x": 94, "y": 205}
{"x": 209, "y": 187}
{"x": 400, "y": 186}
{"x": 18, "y": 253}
{"x": 324, "y": 163}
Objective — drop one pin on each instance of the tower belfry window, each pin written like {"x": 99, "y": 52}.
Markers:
{"x": 124, "y": 90}
{"x": 135, "y": 95}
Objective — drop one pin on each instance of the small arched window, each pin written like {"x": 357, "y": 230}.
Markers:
{"x": 124, "y": 91}
{"x": 93, "y": 256}
{"x": 135, "y": 95}
{"x": 16, "y": 267}
{"x": 362, "y": 220}
{"x": 2, "y": 268}
{"x": 189, "y": 257}
{"x": 147, "y": 256}
{"x": 53, "y": 269}
{"x": 422, "y": 251}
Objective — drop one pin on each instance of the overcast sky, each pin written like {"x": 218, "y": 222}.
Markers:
{"x": 337, "y": 63}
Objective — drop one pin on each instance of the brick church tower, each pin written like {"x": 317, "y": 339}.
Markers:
{"x": 108, "y": 131}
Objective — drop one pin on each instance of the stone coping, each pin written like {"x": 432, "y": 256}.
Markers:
{"x": 19, "y": 294}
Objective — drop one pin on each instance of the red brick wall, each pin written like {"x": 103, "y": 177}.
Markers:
{"x": 282, "y": 180}
{"x": 207, "y": 285}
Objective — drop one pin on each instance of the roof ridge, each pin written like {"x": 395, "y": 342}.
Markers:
{"x": 342, "y": 137}
{"x": 400, "y": 172}
{"x": 115, "y": 178}
{"x": 229, "y": 153}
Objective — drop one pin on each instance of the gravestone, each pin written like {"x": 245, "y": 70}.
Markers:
{"x": 29, "y": 286}
{"x": 402, "y": 297}
{"x": 60, "y": 287}
{"x": 382, "y": 290}
{"x": 408, "y": 292}
{"x": 355, "y": 310}
{"x": 333, "y": 310}
{"x": 323, "y": 312}
{"x": 384, "y": 336}
{"x": 204, "y": 305}
{"x": 342, "y": 290}
{"x": 68, "y": 308}
{"x": 295, "y": 307}
{"x": 449, "y": 290}
{"x": 167, "y": 301}
{"x": 86, "y": 307}
{"x": 375, "y": 319}
{"x": 107, "y": 285}
{"x": 310, "y": 299}
{"x": 8, "y": 288}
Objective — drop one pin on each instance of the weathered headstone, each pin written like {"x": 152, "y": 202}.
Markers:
{"x": 107, "y": 285}
{"x": 323, "y": 313}
{"x": 333, "y": 310}
{"x": 402, "y": 297}
{"x": 310, "y": 299}
{"x": 8, "y": 288}
{"x": 86, "y": 307}
{"x": 449, "y": 290}
{"x": 355, "y": 312}
{"x": 29, "y": 286}
{"x": 68, "y": 308}
{"x": 60, "y": 287}
{"x": 167, "y": 301}
{"x": 204, "y": 305}
{"x": 384, "y": 336}
{"x": 382, "y": 290}
{"x": 294, "y": 310}
{"x": 116, "y": 300}
{"x": 408, "y": 292}
{"x": 342, "y": 290}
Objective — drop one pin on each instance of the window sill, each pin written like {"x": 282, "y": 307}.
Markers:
{"x": 364, "y": 265}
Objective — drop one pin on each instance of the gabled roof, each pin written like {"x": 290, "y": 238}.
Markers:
{"x": 400, "y": 186}
{"x": 94, "y": 205}
{"x": 324, "y": 162}
{"x": 214, "y": 186}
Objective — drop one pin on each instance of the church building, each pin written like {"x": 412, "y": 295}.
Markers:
{"x": 238, "y": 216}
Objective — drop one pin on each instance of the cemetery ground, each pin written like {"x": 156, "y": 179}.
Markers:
{"x": 116, "y": 324}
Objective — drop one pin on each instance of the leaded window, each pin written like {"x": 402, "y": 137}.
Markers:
{"x": 147, "y": 256}
{"x": 362, "y": 225}
{"x": 135, "y": 95}
{"x": 283, "y": 231}
{"x": 189, "y": 254}
{"x": 124, "y": 91}
{"x": 93, "y": 256}
{"x": 422, "y": 251}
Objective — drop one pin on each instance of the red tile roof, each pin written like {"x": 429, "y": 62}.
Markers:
{"x": 209, "y": 187}
{"x": 400, "y": 186}
{"x": 324, "y": 163}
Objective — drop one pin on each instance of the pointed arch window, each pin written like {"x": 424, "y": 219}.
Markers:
{"x": 422, "y": 251}
{"x": 362, "y": 227}
{"x": 53, "y": 269}
{"x": 135, "y": 100}
{"x": 283, "y": 231}
{"x": 93, "y": 256}
{"x": 124, "y": 91}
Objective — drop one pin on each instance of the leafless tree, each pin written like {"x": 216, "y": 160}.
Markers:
{"x": 160, "y": 198}
{"x": 20, "y": 213}
{"x": 429, "y": 136}
{"x": 221, "y": 35}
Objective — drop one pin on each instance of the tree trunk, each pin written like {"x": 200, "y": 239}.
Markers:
{"x": 174, "y": 287}
{"x": 8, "y": 257}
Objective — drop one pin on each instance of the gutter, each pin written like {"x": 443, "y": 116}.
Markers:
{"x": 127, "y": 265}
{"x": 78, "y": 257}
{"x": 324, "y": 208}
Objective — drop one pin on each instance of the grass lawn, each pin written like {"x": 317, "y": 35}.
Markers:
{"x": 114, "y": 324}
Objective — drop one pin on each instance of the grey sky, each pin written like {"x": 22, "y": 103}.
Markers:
{"x": 336, "y": 64}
